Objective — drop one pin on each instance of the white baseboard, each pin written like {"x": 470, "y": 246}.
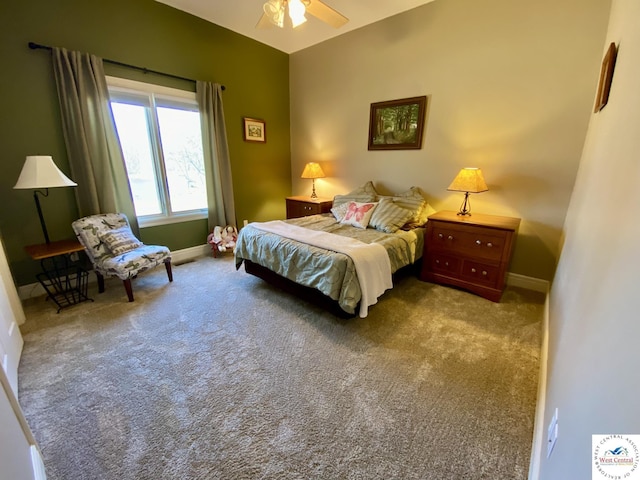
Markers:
{"x": 33, "y": 290}
{"x": 190, "y": 253}
{"x": 530, "y": 283}
{"x": 539, "y": 428}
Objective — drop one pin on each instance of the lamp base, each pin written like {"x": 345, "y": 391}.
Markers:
{"x": 42, "y": 224}
{"x": 313, "y": 189}
{"x": 465, "y": 208}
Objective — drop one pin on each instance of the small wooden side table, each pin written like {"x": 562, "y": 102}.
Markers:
{"x": 301, "y": 206}
{"x": 65, "y": 281}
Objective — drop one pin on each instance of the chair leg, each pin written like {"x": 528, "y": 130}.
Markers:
{"x": 167, "y": 265}
{"x": 100, "y": 282}
{"x": 127, "y": 287}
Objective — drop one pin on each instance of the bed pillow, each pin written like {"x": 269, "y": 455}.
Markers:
{"x": 120, "y": 241}
{"x": 358, "y": 214}
{"x": 389, "y": 217}
{"x": 413, "y": 201}
{"x": 426, "y": 212}
{"x": 340, "y": 211}
{"x": 365, "y": 193}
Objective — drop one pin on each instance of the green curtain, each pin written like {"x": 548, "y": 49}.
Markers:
{"x": 217, "y": 163}
{"x": 94, "y": 152}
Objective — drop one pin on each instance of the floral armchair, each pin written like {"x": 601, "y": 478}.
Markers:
{"x": 115, "y": 251}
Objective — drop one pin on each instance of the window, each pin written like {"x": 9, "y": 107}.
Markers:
{"x": 160, "y": 136}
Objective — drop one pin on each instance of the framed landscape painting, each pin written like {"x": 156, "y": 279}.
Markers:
{"x": 254, "y": 130}
{"x": 397, "y": 124}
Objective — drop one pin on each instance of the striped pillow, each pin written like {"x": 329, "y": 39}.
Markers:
{"x": 365, "y": 193}
{"x": 389, "y": 216}
{"x": 120, "y": 241}
{"x": 412, "y": 200}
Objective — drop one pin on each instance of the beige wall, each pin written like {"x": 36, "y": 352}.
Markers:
{"x": 510, "y": 87}
{"x": 594, "y": 329}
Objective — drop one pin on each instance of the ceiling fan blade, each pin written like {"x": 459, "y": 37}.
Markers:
{"x": 264, "y": 22}
{"x": 325, "y": 13}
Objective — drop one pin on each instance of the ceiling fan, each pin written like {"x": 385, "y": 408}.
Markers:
{"x": 274, "y": 13}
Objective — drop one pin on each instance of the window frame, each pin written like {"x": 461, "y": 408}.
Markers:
{"x": 152, "y": 96}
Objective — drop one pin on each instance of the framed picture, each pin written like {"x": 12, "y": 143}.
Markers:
{"x": 397, "y": 124}
{"x": 606, "y": 76}
{"x": 254, "y": 130}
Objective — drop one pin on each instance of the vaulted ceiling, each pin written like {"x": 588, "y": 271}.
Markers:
{"x": 241, "y": 16}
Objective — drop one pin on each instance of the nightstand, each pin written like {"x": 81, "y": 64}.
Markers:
{"x": 303, "y": 206}
{"x": 470, "y": 252}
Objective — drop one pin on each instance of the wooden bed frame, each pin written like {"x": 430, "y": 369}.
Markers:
{"x": 313, "y": 295}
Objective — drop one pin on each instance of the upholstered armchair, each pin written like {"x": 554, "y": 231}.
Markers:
{"x": 115, "y": 251}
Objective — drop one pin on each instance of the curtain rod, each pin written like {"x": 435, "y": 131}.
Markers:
{"x": 37, "y": 46}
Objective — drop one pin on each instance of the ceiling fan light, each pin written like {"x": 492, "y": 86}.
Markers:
{"x": 274, "y": 10}
{"x": 296, "y": 13}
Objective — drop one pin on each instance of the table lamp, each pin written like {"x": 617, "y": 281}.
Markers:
{"x": 312, "y": 170}
{"x": 468, "y": 180}
{"x": 39, "y": 172}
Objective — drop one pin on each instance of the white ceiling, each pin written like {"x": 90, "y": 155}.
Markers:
{"x": 241, "y": 16}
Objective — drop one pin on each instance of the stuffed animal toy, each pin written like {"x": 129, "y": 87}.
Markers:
{"x": 223, "y": 238}
{"x": 229, "y": 235}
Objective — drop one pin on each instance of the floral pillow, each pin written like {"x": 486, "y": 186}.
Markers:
{"x": 358, "y": 214}
{"x": 120, "y": 241}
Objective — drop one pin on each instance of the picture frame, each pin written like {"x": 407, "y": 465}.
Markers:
{"x": 397, "y": 124}
{"x": 606, "y": 77}
{"x": 255, "y": 130}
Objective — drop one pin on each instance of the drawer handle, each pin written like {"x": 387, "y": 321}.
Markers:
{"x": 440, "y": 235}
{"x": 446, "y": 264}
{"x": 478, "y": 242}
{"x": 473, "y": 270}
{"x": 438, "y": 262}
{"x": 484, "y": 272}
{"x": 450, "y": 237}
{"x": 489, "y": 244}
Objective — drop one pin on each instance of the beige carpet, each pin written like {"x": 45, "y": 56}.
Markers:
{"x": 221, "y": 376}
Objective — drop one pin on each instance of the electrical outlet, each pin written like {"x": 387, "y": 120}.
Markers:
{"x": 245, "y": 222}
{"x": 552, "y": 433}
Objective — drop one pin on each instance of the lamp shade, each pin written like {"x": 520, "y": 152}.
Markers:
{"x": 312, "y": 170}
{"x": 39, "y": 171}
{"x": 469, "y": 180}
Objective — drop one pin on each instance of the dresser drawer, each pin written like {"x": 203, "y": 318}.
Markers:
{"x": 303, "y": 206}
{"x": 480, "y": 273}
{"x": 474, "y": 241}
{"x": 444, "y": 263}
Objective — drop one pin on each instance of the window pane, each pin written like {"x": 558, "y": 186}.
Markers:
{"x": 131, "y": 123}
{"x": 184, "y": 162}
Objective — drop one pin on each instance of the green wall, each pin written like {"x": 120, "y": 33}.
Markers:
{"x": 155, "y": 36}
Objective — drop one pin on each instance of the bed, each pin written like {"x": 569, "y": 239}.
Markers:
{"x": 287, "y": 260}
